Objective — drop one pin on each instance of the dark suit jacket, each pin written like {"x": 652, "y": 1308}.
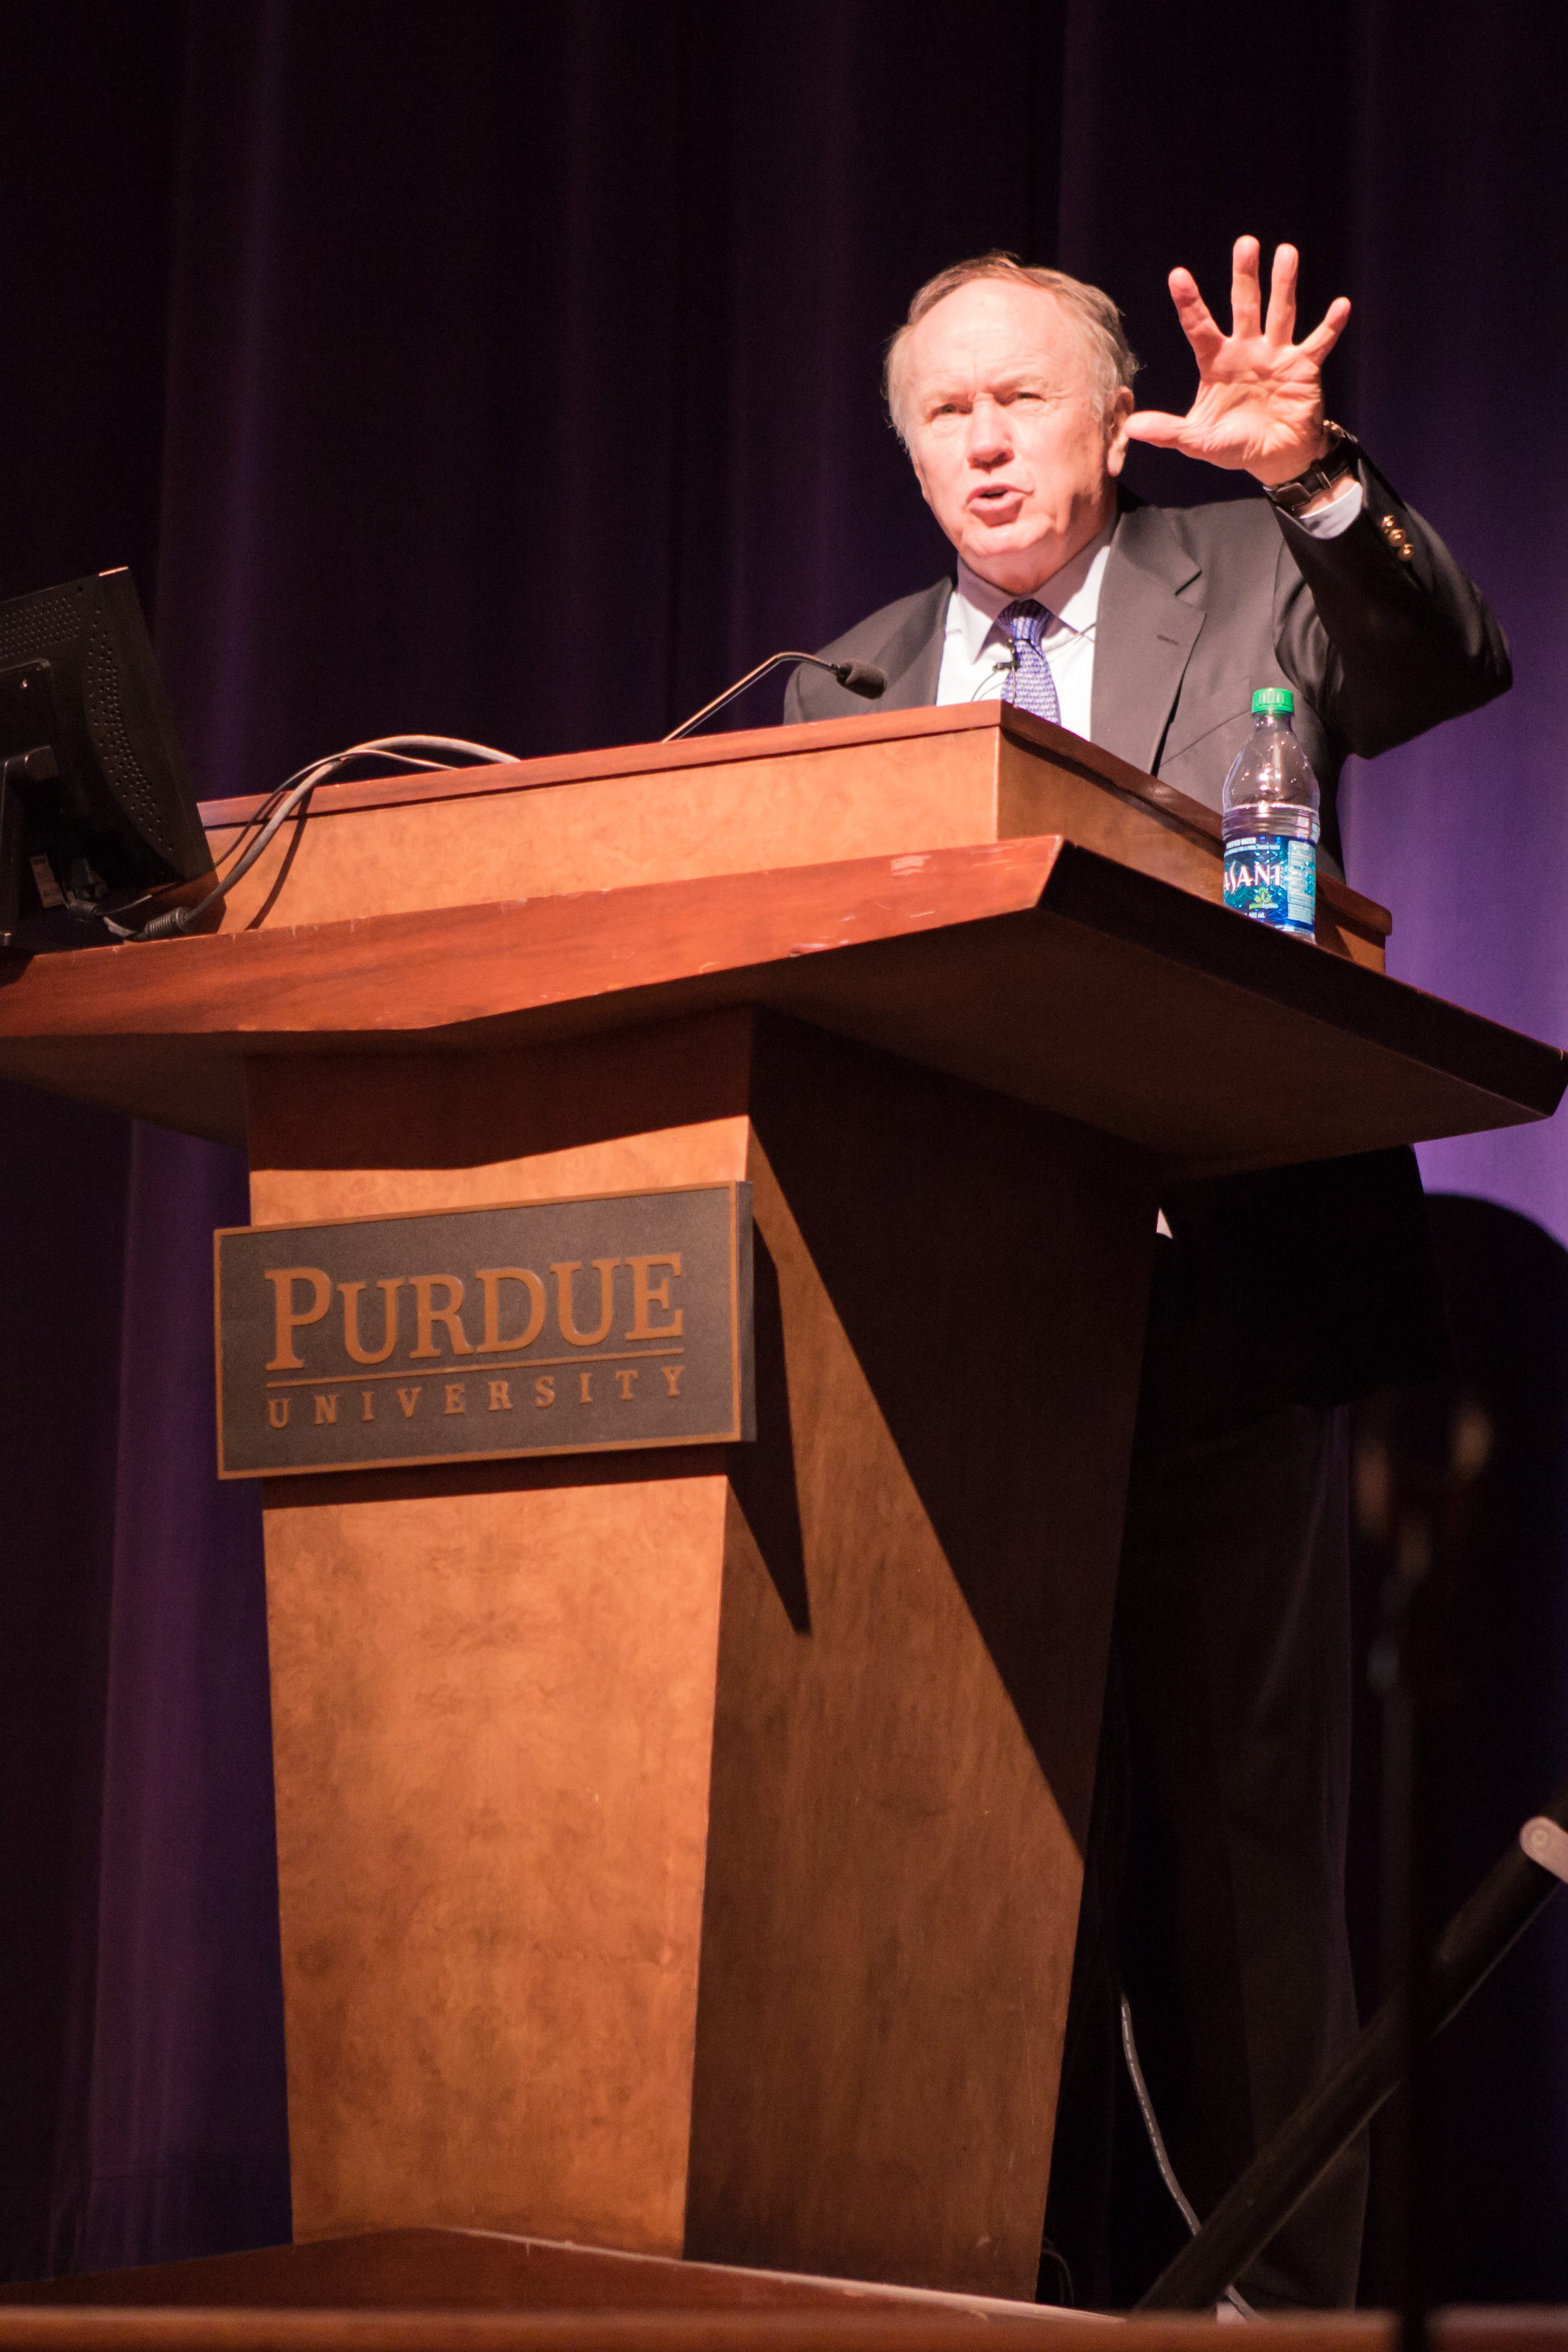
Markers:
{"x": 1200, "y": 605}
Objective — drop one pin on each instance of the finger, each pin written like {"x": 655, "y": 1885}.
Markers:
{"x": 1323, "y": 337}
{"x": 1281, "y": 324}
{"x": 1198, "y": 324}
{"x": 1246, "y": 295}
{"x": 1156, "y": 425}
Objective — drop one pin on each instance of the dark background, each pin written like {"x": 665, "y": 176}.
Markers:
{"x": 512, "y": 372}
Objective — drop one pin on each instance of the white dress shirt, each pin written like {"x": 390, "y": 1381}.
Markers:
{"x": 976, "y": 655}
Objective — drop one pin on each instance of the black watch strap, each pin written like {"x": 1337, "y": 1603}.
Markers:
{"x": 1339, "y": 459}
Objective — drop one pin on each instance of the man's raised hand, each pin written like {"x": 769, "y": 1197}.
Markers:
{"x": 1261, "y": 400}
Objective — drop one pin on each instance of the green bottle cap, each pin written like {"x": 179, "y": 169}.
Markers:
{"x": 1273, "y": 697}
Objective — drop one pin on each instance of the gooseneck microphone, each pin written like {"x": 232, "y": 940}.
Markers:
{"x": 860, "y": 678}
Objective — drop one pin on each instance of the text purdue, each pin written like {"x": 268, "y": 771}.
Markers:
{"x": 513, "y": 1311}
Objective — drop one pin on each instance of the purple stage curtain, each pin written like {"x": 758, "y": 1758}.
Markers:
{"x": 512, "y": 373}
{"x": 187, "y": 2119}
{"x": 63, "y": 1186}
{"x": 522, "y": 366}
{"x": 140, "y": 1993}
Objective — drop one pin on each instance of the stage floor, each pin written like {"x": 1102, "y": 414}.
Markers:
{"x": 460, "y": 2291}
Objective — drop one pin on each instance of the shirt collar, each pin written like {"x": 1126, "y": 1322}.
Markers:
{"x": 1071, "y": 595}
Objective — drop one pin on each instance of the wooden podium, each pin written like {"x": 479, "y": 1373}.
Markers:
{"x": 679, "y": 1851}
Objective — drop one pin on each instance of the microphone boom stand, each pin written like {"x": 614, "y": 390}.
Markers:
{"x": 1513, "y": 1892}
{"x": 860, "y": 678}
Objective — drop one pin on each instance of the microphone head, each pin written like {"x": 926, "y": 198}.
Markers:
{"x": 861, "y": 677}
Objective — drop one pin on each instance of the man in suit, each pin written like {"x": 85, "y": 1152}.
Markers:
{"x": 1213, "y": 1891}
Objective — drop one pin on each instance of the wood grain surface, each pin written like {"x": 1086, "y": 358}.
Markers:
{"x": 1034, "y": 967}
{"x": 436, "y": 970}
{"x": 741, "y": 2331}
{"x": 475, "y": 2291}
{"x": 470, "y": 2270}
{"x": 492, "y": 1707}
{"x": 917, "y": 1600}
{"x": 684, "y": 1855}
{"x": 435, "y": 2290}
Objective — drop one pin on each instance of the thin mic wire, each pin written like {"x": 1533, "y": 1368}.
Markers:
{"x": 1233, "y": 2294}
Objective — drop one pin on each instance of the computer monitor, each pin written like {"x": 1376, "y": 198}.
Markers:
{"x": 95, "y": 804}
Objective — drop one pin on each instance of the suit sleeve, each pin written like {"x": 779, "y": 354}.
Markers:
{"x": 1380, "y": 628}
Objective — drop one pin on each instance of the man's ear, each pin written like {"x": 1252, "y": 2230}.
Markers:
{"x": 913, "y": 456}
{"x": 1116, "y": 417}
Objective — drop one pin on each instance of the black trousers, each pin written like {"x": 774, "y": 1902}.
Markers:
{"x": 1215, "y": 1884}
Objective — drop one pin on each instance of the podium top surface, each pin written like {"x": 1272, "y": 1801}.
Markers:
{"x": 1035, "y": 967}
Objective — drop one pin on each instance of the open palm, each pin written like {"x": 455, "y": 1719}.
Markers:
{"x": 1260, "y": 404}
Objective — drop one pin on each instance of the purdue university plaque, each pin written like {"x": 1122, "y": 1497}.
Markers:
{"x": 555, "y": 1326}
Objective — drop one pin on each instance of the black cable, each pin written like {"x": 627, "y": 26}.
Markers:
{"x": 394, "y": 754}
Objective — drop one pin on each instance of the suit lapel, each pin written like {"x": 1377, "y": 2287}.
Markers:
{"x": 1144, "y": 634}
{"x": 912, "y": 658}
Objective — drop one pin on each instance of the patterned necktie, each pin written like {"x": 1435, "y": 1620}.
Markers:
{"x": 1030, "y": 683}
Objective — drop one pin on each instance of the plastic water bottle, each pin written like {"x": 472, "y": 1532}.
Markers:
{"x": 1271, "y": 821}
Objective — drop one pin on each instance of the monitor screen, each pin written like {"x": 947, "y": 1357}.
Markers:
{"x": 95, "y": 804}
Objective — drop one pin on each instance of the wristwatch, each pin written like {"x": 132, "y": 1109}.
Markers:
{"x": 1338, "y": 460}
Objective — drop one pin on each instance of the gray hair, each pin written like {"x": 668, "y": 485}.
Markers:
{"x": 1112, "y": 361}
